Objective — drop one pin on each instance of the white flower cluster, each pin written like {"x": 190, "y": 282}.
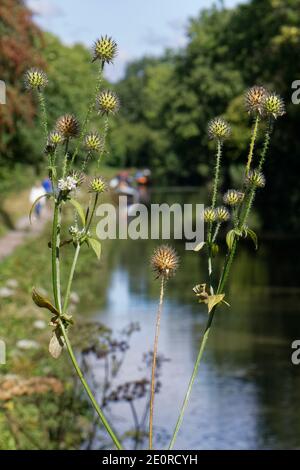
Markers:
{"x": 67, "y": 184}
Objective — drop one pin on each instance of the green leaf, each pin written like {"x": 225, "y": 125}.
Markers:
{"x": 214, "y": 249}
{"x": 253, "y": 237}
{"x": 230, "y": 238}
{"x": 238, "y": 232}
{"x": 47, "y": 195}
{"x": 96, "y": 245}
{"x": 79, "y": 209}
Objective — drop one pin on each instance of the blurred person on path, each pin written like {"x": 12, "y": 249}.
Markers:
{"x": 46, "y": 183}
{"x": 36, "y": 192}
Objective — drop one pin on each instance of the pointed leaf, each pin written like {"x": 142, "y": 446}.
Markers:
{"x": 96, "y": 245}
{"x": 230, "y": 238}
{"x": 253, "y": 237}
{"x": 79, "y": 209}
{"x": 42, "y": 302}
{"x": 214, "y": 300}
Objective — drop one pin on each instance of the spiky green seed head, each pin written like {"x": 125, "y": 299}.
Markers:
{"x": 108, "y": 102}
{"x": 210, "y": 214}
{"x": 274, "y": 105}
{"x": 55, "y": 138}
{"x": 256, "y": 178}
{"x": 254, "y": 99}
{"x": 105, "y": 49}
{"x": 218, "y": 129}
{"x": 98, "y": 185}
{"x": 68, "y": 126}
{"x": 93, "y": 142}
{"x": 233, "y": 197}
{"x": 222, "y": 214}
{"x": 35, "y": 79}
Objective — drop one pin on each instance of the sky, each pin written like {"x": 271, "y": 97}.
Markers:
{"x": 138, "y": 26}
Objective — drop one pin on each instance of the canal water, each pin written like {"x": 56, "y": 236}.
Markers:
{"x": 247, "y": 393}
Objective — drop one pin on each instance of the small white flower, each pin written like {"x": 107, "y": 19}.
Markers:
{"x": 67, "y": 184}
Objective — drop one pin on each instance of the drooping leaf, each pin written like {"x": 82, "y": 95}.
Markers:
{"x": 96, "y": 245}
{"x": 253, "y": 237}
{"x": 230, "y": 238}
{"x": 79, "y": 209}
{"x": 43, "y": 302}
{"x": 56, "y": 344}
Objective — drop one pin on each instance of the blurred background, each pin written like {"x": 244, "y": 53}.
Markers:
{"x": 179, "y": 65}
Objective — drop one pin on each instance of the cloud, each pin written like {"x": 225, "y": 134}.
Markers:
{"x": 177, "y": 24}
{"x": 152, "y": 38}
{"x": 45, "y": 8}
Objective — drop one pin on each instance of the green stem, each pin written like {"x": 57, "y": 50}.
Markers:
{"x": 213, "y": 204}
{"x": 252, "y": 143}
{"x": 104, "y": 137}
{"x": 227, "y": 266}
{"x": 44, "y": 113}
{"x": 66, "y": 158}
{"x": 217, "y": 174}
{"x": 57, "y": 298}
{"x": 92, "y": 213}
{"x": 266, "y": 144}
{"x": 216, "y": 232}
{"x": 70, "y": 280}
{"x": 89, "y": 111}
{"x": 87, "y": 388}
{"x": 244, "y": 213}
{"x": 55, "y": 242}
{"x": 152, "y": 393}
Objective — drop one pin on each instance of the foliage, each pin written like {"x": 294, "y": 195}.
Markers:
{"x": 172, "y": 98}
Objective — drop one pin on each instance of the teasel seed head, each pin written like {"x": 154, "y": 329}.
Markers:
{"x": 164, "y": 261}
{"x": 35, "y": 79}
{"x": 98, "y": 185}
{"x": 274, "y": 105}
{"x": 254, "y": 99}
{"x": 256, "y": 178}
{"x": 105, "y": 49}
{"x": 218, "y": 129}
{"x": 108, "y": 102}
{"x": 55, "y": 138}
{"x": 210, "y": 214}
{"x": 93, "y": 142}
{"x": 233, "y": 197}
{"x": 222, "y": 214}
{"x": 68, "y": 126}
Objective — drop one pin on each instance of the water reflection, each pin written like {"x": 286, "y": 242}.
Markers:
{"x": 247, "y": 393}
